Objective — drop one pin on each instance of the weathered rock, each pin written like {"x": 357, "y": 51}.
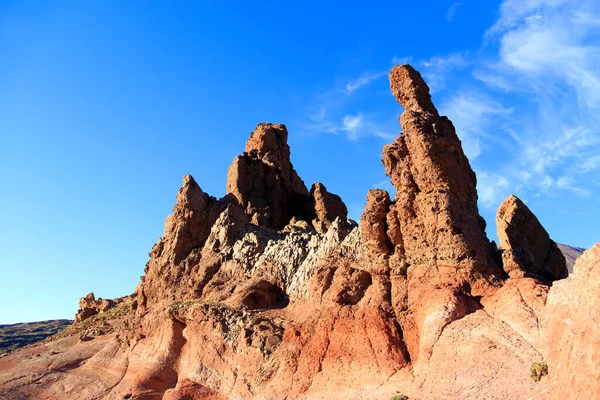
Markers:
{"x": 178, "y": 252}
{"x": 264, "y": 182}
{"x": 374, "y": 230}
{"x": 328, "y": 207}
{"x": 438, "y": 225}
{"x": 89, "y": 306}
{"x": 431, "y": 236}
{"x": 271, "y": 292}
{"x": 527, "y": 247}
{"x": 571, "y": 321}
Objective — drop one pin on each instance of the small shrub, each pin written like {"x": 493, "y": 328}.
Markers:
{"x": 538, "y": 369}
{"x": 400, "y": 397}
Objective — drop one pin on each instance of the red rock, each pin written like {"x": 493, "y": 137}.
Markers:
{"x": 571, "y": 322}
{"x": 271, "y": 292}
{"x": 328, "y": 207}
{"x": 527, "y": 247}
{"x": 264, "y": 182}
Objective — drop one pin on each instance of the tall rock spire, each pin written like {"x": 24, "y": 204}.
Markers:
{"x": 437, "y": 222}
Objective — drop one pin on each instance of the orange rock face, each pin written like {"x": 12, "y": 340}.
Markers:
{"x": 570, "y": 320}
{"x": 264, "y": 182}
{"x": 271, "y": 292}
{"x": 527, "y": 247}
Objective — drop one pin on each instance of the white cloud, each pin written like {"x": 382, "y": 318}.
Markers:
{"x": 437, "y": 69}
{"x": 547, "y": 62}
{"x": 451, "y": 13}
{"x": 352, "y": 125}
{"x": 363, "y": 80}
{"x": 492, "y": 189}
{"x": 473, "y": 115}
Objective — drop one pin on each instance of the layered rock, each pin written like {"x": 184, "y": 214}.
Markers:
{"x": 526, "y": 246}
{"x": 271, "y": 292}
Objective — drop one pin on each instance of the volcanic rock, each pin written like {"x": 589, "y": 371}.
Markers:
{"x": 527, "y": 247}
{"x": 571, "y": 322}
{"x": 436, "y": 199}
{"x": 271, "y": 292}
{"x": 328, "y": 207}
{"x": 373, "y": 228}
{"x": 89, "y": 306}
{"x": 431, "y": 236}
{"x": 264, "y": 182}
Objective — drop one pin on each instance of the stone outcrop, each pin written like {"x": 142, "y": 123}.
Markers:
{"x": 438, "y": 224}
{"x": 571, "y": 322}
{"x": 327, "y": 206}
{"x": 89, "y": 306}
{"x": 430, "y": 239}
{"x": 272, "y": 292}
{"x": 526, "y": 246}
{"x": 264, "y": 182}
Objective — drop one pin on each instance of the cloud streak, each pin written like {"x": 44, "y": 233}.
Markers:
{"x": 363, "y": 80}
{"x": 451, "y": 13}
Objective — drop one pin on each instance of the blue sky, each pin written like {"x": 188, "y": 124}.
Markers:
{"x": 104, "y": 106}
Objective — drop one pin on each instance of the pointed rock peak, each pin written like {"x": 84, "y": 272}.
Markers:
{"x": 434, "y": 220}
{"x": 188, "y": 180}
{"x": 269, "y": 143}
{"x": 190, "y": 192}
{"x": 410, "y": 89}
{"x": 527, "y": 247}
{"x": 263, "y": 180}
{"x": 328, "y": 207}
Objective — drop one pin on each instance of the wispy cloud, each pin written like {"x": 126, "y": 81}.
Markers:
{"x": 543, "y": 55}
{"x": 451, "y": 13}
{"x": 474, "y": 115}
{"x": 492, "y": 188}
{"x": 336, "y": 112}
{"x": 438, "y": 69}
{"x": 363, "y": 80}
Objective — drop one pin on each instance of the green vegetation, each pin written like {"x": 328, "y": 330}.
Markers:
{"x": 538, "y": 369}
{"x": 400, "y": 397}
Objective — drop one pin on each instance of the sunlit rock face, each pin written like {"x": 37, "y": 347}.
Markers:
{"x": 272, "y": 292}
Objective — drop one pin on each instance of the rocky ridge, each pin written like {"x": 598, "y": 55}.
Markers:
{"x": 272, "y": 292}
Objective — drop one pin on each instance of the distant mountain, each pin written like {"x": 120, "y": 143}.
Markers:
{"x": 18, "y": 335}
{"x": 571, "y": 253}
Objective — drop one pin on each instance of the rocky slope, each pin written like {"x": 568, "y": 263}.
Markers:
{"x": 272, "y": 293}
{"x": 14, "y": 336}
{"x": 571, "y": 253}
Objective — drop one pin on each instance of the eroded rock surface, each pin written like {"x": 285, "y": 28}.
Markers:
{"x": 527, "y": 247}
{"x": 264, "y": 182}
{"x": 272, "y": 292}
{"x": 571, "y": 321}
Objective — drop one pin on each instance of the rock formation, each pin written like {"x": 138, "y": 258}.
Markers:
{"x": 571, "y": 321}
{"x": 571, "y": 253}
{"x": 264, "y": 182}
{"x": 438, "y": 225}
{"x": 526, "y": 246}
{"x": 272, "y": 292}
{"x": 89, "y": 306}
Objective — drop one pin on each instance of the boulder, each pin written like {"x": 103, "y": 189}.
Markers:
{"x": 526, "y": 246}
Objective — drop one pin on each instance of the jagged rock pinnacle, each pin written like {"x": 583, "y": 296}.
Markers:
{"x": 527, "y": 247}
